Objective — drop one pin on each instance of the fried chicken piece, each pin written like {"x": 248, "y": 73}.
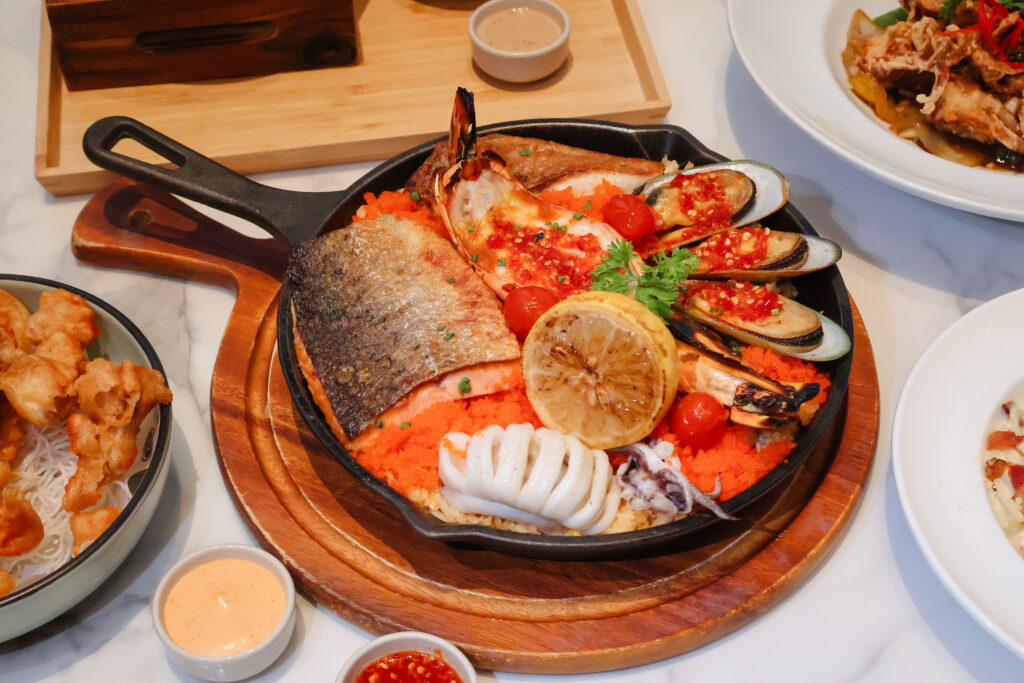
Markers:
{"x": 62, "y": 311}
{"x": 86, "y": 527}
{"x": 14, "y": 341}
{"x": 966, "y": 110}
{"x": 21, "y": 530}
{"x": 103, "y": 436}
{"x": 12, "y": 431}
{"x": 7, "y": 584}
{"x": 40, "y": 386}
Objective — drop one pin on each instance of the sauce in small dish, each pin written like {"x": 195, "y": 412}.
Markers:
{"x": 409, "y": 666}
{"x": 519, "y": 29}
{"x": 224, "y": 607}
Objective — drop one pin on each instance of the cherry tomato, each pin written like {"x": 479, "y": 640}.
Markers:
{"x": 524, "y": 305}
{"x": 698, "y": 420}
{"x": 630, "y": 216}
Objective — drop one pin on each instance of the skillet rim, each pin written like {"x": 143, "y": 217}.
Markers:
{"x": 572, "y": 547}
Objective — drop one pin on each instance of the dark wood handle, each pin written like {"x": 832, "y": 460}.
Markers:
{"x": 135, "y": 226}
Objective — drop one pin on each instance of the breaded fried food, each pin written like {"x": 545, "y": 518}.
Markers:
{"x": 14, "y": 341}
{"x": 21, "y": 530}
{"x": 7, "y": 583}
{"x": 40, "y": 386}
{"x": 103, "y": 437}
{"x": 12, "y": 431}
{"x": 86, "y": 527}
{"x": 63, "y": 311}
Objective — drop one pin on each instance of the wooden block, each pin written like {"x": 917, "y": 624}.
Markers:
{"x": 113, "y": 43}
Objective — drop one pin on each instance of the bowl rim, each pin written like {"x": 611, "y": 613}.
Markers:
{"x": 233, "y": 551}
{"x": 160, "y": 445}
{"x": 652, "y": 139}
{"x": 437, "y": 642}
{"x": 485, "y": 10}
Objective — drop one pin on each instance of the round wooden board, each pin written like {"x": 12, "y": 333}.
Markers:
{"x": 352, "y": 552}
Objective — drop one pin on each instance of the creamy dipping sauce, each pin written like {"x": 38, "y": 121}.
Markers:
{"x": 519, "y": 29}
{"x": 224, "y": 607}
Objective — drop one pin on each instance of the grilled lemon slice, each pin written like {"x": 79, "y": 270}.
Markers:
{"x": 602, "y": 367}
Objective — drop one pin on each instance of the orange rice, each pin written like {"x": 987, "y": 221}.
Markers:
{"x": 407, "y": 458}
{"x": 399, "y": 204}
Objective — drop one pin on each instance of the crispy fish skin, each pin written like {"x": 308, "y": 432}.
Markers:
{"x": 383, "y": 306}
{"x": 543, "y": 164}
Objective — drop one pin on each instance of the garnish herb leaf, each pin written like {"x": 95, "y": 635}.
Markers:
{"x": 892, "y": 17}
{"x": 657, "y": 287}
{"x": 948, "y": 10}
{"x": 464, "y": 386}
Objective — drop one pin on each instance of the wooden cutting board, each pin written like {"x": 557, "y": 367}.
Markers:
{"x": 352, "y": 552}
{"x": 413, "y": 54}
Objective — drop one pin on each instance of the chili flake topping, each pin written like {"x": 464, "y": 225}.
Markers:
{"x": 557, "y": 260}
{"x": 741, "y": 300}
{"x": 734, "y": 249}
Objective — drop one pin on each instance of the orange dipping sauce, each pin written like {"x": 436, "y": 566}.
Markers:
{"x": 224, "y": 607}
{"x": 409, "y": 666}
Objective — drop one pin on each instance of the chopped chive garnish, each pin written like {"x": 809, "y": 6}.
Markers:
{"x": 577, "y": 215}
{"x": 562, "y": 278}
{"x": 415, "y": 196}
{"x": 561, "y": 228}
{"x": 405, "y": 425}
{"x": 586, "y": 207}
{"x": 380, "y": 424}
{"x": 470, "y": 228}
{"x": 501, "y": 262}
{"x": 440, "y": 328}
{"x": 517, "y": 227}
{"x": 449, "y": 335}
{"x": 474, "y": 258}
{"x": 775, "y": 311}
{"x": 524, "y": 152}
{"x": 451, "y": 281}
{"x": 464, "y": 386}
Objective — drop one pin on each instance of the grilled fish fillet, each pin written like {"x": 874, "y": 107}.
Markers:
{"x": 386, "y": 305}
{"x": 541, "y": 165}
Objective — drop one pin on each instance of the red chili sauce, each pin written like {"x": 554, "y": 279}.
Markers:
{"x": 703, "y": 200}
{"x": 547, "y": 256}
{"x": 736, "y": 249}
{"x": 409, "y": 666}
{"x": 741, "y": 300}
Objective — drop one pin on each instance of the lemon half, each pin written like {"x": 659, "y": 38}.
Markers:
{"x": 602, "y": 367}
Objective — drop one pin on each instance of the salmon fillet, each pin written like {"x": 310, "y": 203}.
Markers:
{"x": 386, "y": 305}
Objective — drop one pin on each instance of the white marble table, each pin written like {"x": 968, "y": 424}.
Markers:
{"x": 874, "y": 611}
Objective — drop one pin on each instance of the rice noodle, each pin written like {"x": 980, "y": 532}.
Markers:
{"x": 43, "y": 467}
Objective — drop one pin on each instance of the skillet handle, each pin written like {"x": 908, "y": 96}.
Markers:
{"x": 285, "y": 214}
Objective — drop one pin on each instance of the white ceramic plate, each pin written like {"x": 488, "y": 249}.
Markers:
{"x": 947, "y": 405}
{"x": 791, "y": 48}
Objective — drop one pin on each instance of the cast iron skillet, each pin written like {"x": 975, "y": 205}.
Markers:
{"x": 295, "y": 216}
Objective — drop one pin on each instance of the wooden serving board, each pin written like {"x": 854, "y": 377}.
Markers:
{"x": 351, "y": 551}
{"x": 413, "y": 54}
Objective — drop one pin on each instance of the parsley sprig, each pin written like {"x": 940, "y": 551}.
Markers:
{"x": 657, "y": 287}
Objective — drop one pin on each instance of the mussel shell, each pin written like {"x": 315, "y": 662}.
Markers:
{"x": 771, "y": 189}
{"x": 807, "y": 255}
{"x": 803, "y": 333}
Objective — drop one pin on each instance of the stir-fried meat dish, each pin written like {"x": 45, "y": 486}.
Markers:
{"x": 948, "y": 76}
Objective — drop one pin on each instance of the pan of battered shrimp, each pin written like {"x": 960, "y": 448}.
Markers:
{"x": 85, "y": 424}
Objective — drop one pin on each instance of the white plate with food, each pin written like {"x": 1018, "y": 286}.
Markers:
{"x": 85, "y": 425}
{"x": 793, "y": 51}
{"x": 939, "y": 461}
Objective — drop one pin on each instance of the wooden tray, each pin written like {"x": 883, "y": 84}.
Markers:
{"x": 413, "y": 53}
{"x": 353, "y": 552}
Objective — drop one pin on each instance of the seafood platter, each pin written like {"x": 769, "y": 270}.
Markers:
{"x": 410, "y": 342}
{"x": 423, "y": 452}
{"x": 85, "y": 425}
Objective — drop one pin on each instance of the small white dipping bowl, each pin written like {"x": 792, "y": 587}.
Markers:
{"x": 519, "y": 67}
{"x": 402, "y": 642}
{"x": 242, "y": 664}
